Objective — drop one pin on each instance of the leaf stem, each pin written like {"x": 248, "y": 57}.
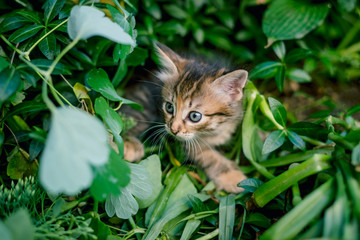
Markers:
{"x": 134, "y": 226}
{"x": 27, "y": 53}
{"x": 10, "y": 45}
{"x": 46, "y": 98}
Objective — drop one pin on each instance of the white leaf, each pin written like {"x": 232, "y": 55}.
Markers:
{"x": 76, "y": 142}
{"x": 140, "y": 187}
{"x": 86, "y": 22}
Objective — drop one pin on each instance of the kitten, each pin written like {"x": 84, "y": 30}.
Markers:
{"x": 201, "y": 105}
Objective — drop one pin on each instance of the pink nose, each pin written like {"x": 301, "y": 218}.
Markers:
{"x": 175, "y": 128}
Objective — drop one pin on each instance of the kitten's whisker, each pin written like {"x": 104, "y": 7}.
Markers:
{"x": 150, "y": 128}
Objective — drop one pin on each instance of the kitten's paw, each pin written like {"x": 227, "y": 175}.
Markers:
{"x": 229, "y": 181}
{"x": 133, "y": 150}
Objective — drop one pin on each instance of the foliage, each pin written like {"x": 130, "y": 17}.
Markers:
{"x": 304, "y": 179}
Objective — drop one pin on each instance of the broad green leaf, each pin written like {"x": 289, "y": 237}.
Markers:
{"x": 5, "y": 233}
{"x": 48, "y": 45}
{"x": 76, "y": 142}
{"x": 298, "y": 75}
{"x": 280, "y": 50}
{"x": 140, "y": 186}
{"x": 290, "y": 225}
{"x": 31, "y": 16}
{"x": 3, "y": 63}
{"x": 296, "y": 140}
{"x": 110, "y": 177}
{"x": 51, "y": 9}
{"x": 190, "y": 228}
{"x": 9, "y": 82}
{"x": 347, "y": 5}
{"x": 265, "y": 70}
{"x": 19, "y": 165}
{"x": 275, "y": 140}
{"x": 197, "y": 204}
{"x": 269, "y": 190}
{"x": 35, "y": 148}
{"x": 308, "y": 129}
{"x": 25, "y": 33}
{"x": 297, "y": 54}
{"x": 20, "y": 225}
{"x": 226, "y": 217}
{"x": 278, "y": 111}
{"x": 100, "y": 82}
{"x": 12, "y": 22}
{"x": 290, "y": 19}
{"x": 111, "y": 118}
{"x": 175, "y": 11}
{"x": 280, "y": 78}
{"x": 137, "y": 57}
{"x": 153, "y": 167}
{"x": 86, "y": 22}
{"x": 258, "y": 219}
{"x": 101, "y": 230}
{"x": 250, "y": 184}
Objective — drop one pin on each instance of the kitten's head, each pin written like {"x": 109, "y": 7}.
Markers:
{"x": 200, "y": 100}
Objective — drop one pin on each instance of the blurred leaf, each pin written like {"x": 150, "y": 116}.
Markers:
{"x": 110, "y": 177}
{"x": 308, "y": 129}
{"x": 9, "y": 84}
{"x": 269, "y": 190}
{"x": 353, "y": 110}
{"x": 297, "y": 54}
{"x": 19, "y": 165}
{"x": 101, "y": 230}
{"x": 190, "y": 227}
{"x": 275, "y": 140}
{"x": 51, "y": 9}
{"x": 300, "y": 17}
{"x": 280, "y": 50}
{"x": 76, "y": 142}
{"x": 5, "y": 232}
{"x": 265, "y": 70}
{"x": 25, "y": 33}
{"x": 290, "y": 225}
{"x": 30, "y": 16}
{"x": 81, "y": 94}
{"x": 35, "y": 148}
{"x": 278, "y": 111}
{"x": 140, "y": 186}
{"x": 175, "y": 11}
{"x": 280, "y": 78}
{"x": 299, "y": 75}
{"x": 250, "y": 184}
{"x": 258, "y": 219}
{"x": 48, "y": 45}
{"x": 296, "y": 140}
{"x": 153, "y": 167}
{"x": 347, "y": 5}
{"x": 85, "y": 22}
{"x": 20, "y": 225}
{"x": 12, "y": 22}
{"x": 3, "y": 63}
{"x": 199, "y": 35}
{"x": 137, "y": 57}
{"x": 355, "y": 156}
{"x": 226, "y": 217}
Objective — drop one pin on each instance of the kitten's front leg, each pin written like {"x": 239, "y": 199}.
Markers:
{"x": 133, "y": 149}
{"x": 222, "y": 171}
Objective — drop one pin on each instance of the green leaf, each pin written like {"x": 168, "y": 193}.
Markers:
{"x": 137, "y": 57}
{"x": 279, "y": 49}
{"x": 275, "y": 140}
{"x": 190, "y": 227}
{"x": 197, "y": 204}
{"x": 298, "y": 75}
{"x": 20, "y": 225}
{"x": 250, "y": 184}
{"x": 24, "y": 33}
{"x": 290, "y": 19}
{"x": 76, "y": 142}
{"x": 296, "y": 140}
{"x": 31, "y": 16}
{"x": 175, "y": 11}
{"x": 19, "y": 165}
{"x": 308, "y": 129}
{"x": 100, "y": 82}
{"x": 9, "y": 84}
{"x": 3, "y": 63}
{"x": 355, "y": 156}
{"x": 347, "y": 5}
{"x": 278, "y": 111}
{"x": 48, "y": 45}
{"x": 226, "y": 217}
{"x": 140, "y": 186}
{"x": 265, "y": 70}
{"x": 85, "y": 22}
{"x": 153, "y": 167}
{"x": 44, "y": 64}
{"x": 290, "y": 225}
{"x": 52, "y": 9}
{"x": 12, "y": 22}
{"x": 110, "y": 177}
{"x": 35, "y": 148}
{"x": 280, "y": 78}
{"x": 101, "y": 230}
{"x": 297, "y": 54}
{"x": 5, "y": 233}
{"x": 269, "y": 190}
{"x": 258, "y": 219}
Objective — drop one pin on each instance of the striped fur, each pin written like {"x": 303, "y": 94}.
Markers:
{"x": 188, "y": 86}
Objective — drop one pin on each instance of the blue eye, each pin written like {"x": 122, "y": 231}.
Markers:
{"x": 169, "y": 108}
{"x": 195, "y": 116}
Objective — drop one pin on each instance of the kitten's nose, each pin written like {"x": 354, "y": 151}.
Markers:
{"x": 175, "y": 128}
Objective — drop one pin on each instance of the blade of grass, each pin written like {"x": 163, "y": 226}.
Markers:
{"x": 227, "y": 217}
{"x": 269, "y": 190}
{"x": 190, "y": 228}
{"x": 290, "y": 225}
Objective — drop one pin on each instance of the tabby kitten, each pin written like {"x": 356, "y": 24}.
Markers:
{"x": 201, "y": 105}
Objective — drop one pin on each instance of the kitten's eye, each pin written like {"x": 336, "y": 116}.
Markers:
{"x": 195, "y": 116}
{"x": 169, "y": 107}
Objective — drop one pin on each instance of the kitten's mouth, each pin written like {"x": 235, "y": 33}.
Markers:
{"x": 180, "y": 136}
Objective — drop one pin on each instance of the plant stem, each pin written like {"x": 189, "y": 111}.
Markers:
{"x": 46, "y": 98}
{"x": 27, "y": 53}
{"x": 10, "y": 45}
{"x": 96, "y": 206}
{"x": 134, "y": 226}
{"x": 210, "y": 235}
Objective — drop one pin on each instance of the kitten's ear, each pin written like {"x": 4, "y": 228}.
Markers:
{"x": 231, "y": 84}
{"x": 168, "y": 58}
